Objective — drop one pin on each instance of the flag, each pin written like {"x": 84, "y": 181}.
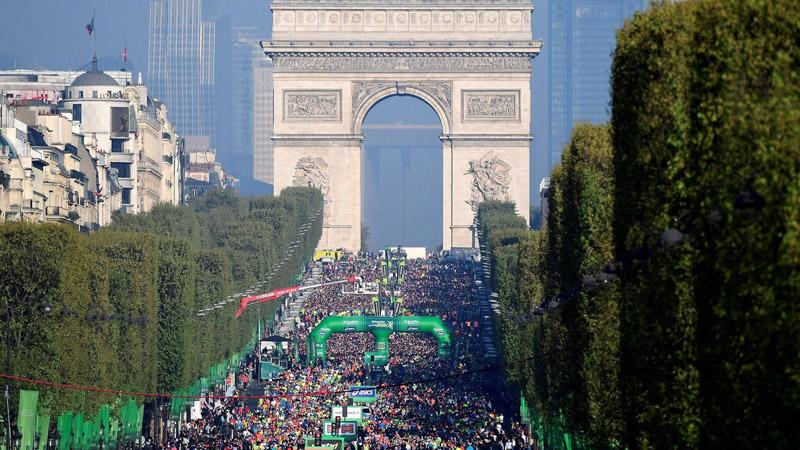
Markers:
{"x": 125, "y": 54}
{"x": 26, "y": 418}
{"x": 90, "y": 26}
{"x": 43, "y": 430}
{"x": 139, "y": 420}
{"x": 77, "y": 430}
{"x": 65, "y": 430}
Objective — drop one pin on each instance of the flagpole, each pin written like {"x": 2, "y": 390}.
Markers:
{"x": 94, "y": 35}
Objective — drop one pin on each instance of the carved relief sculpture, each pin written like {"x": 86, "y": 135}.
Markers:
{"x": 312, "y": 105}
{"x": 313, "y": 172}
{"x": 490, "y": 105}
{"x": 411, "y": 63}
{"x": 491, "y": 179}
{"x": 441, "y": 91}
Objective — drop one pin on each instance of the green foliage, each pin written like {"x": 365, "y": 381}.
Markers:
{"x": 176, "y": 289}
{"x": 705, "y": 99}
{"x": 131, "y": 262}
{"x": 745, "y": 135}
{"x": 497, "y": 215}
{"x": 573, "y": 383}
{"x": 163, "y": 267}
{"x": 697, "y": 346}
{"x": 650, "y": 120}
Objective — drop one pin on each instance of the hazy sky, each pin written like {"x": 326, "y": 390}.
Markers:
{"x": 51, "y": 34}
{"x": 402, "y": 188}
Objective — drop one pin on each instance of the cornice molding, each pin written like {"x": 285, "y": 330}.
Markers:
{"x": 488, "y": 139}
{"x": 403, "y": 3}
{"x": 317, "y": 140}
{"x": 402, "y": 63}
{"x": 403, "y": 45}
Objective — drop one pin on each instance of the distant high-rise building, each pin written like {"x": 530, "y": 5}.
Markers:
{"x": 581, "y": 40}
{"x": 245, "y": 53}
{"x": 263, "y": 162}
{"x": 180, "y": 64}
{"x": 223, "y": 85}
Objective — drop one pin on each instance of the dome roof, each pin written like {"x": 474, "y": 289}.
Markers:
{"x": 94, "y": 77}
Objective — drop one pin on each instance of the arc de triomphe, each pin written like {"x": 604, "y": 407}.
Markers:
{"x": 470, "y": 60}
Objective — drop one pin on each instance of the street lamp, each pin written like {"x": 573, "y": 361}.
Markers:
{"x": 120, "y": 431}
{"x": 52, "y": 440}
{"x": 16, "y": 437}
{"x": 7, "y": 427}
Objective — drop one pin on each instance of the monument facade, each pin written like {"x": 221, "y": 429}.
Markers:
{"x": 470, "y": 60}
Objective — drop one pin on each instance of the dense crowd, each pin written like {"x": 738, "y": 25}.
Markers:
{"x": 454, "y": 412}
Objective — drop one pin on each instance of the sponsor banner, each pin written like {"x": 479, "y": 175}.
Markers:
{"x": 363, "y": 394}
{"x": 380, "y": 323}
{"x": 348, "y": 430}
{"x": 327, "y": 443}
{"x": 353, "y": 413}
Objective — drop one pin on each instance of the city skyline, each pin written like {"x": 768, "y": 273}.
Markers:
{"x": 127, "y": 33}
{"x": 396, "y": 285}
{"x": 234, "y": 96}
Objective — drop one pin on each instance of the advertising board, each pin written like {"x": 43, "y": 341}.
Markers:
{"x": 363, "y": 394}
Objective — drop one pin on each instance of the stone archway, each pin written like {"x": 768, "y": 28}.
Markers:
{"x": 470, "y": 60}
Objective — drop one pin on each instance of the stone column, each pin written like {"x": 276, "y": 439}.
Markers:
{"x": 478, "y": 168}
{"x": 332, "y": 164}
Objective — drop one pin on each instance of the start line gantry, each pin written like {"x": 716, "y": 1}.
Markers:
{"x": 381, "y": 327}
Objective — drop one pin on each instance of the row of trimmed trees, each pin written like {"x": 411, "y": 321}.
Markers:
{"x": 660, "y": 307}
{"x": 125, "y": 299}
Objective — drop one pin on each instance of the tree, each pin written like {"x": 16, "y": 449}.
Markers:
{"x": 125, "y": 299}
{"x": 364, "y": 237}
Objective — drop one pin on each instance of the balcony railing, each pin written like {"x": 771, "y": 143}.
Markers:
{"x": 56, "y": 211}
{"x": 78, "y": 175}
{"x": 147, "y": 163}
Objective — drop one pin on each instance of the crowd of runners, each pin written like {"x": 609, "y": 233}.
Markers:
{"x": 424, "y": 402}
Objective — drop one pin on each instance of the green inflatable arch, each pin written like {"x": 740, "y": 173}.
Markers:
{"x": 381, "y": 328}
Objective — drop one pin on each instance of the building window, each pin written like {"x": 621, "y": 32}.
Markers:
{"x": 76, "y": 112}
{"x": 117, "y": 145}
{"x": 126, "y": 196}
{"x": 94, "y": 94}
{"x": 80, "y": 94}
{"x": 123, "y": 169}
